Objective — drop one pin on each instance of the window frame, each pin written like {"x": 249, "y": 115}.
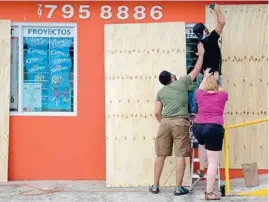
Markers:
{"x": 20, "y": 111}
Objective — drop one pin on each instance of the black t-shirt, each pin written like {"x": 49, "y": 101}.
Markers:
{"x": 212, "y": 55}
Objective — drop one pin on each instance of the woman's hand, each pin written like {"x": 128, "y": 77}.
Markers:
{"x": 216, "y": 75}
{"x": 207, "y": 72}
{"x": 200, "y": 48}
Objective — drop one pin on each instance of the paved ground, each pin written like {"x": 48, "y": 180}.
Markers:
{"x": 91, "y": 191}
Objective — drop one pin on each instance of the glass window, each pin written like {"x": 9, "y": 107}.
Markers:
{"x": 46, "y": 68}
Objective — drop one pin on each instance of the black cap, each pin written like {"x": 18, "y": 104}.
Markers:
{"x": 198, "y": 30}
{"x": 165, "y": 77}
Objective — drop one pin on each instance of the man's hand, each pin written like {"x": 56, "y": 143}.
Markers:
{"x": 158, "y": 110}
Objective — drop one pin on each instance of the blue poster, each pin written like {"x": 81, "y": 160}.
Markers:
{"x": 36, "y": 63}
{"x": 59, "y": 92}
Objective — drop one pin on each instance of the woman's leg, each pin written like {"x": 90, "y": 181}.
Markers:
{"x": 213, "y": 135}
{"x": 202, "y": 157}
{"x": 213, "y": 162}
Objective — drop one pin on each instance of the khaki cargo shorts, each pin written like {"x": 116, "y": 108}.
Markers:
{"x": 173, "y": 131}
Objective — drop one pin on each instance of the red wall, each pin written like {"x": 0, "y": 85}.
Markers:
{"x": 70, "y": 148}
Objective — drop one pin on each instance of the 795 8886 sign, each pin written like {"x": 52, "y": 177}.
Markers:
{"x": 84, "y": 12}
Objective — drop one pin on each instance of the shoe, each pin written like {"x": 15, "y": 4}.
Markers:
{"x": 200, "y": 173}
{"x": 212, "y": 196}
{"x": 154, "y": 189}
{"x": 180, "y": 191}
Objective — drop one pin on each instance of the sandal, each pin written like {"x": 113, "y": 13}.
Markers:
{"x": 154, "y": 189}
{"x": 180, "y": 191}
{"x": 200, "y": 173}
{"x": 212, "y": 196}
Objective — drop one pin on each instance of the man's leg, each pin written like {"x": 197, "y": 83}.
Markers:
{"x": 199, "y": 79}
{"x": 180, "y": 169}
{"x": 163, "y": 148}
{"x": 190, "y": 98}
{"x": 180, "y": 133}
{"x": 158, "y": 168}
{"x": 194, "y": 102}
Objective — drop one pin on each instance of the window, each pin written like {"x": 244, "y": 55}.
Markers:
{"x": 43, "y": 69}
{"x": 191, "y": 43}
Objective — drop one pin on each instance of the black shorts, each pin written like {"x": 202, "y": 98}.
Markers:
{"x": 210, "y": 135}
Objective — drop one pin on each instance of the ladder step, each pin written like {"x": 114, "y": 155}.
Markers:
{"x": 195, "y": 176}
{"x": 196, "y": 160}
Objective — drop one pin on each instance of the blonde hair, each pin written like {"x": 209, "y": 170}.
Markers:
{"x": 211, "y": 84}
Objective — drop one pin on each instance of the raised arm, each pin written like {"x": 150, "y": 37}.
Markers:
{"x": 197, "y": 68}
{"x": 220, "y": 19}
{"x": 206, "y": 75}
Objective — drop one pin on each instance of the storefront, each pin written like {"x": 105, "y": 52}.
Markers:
{"x": 57, "y": 132}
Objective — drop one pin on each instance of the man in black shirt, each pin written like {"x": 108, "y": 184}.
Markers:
{"x": 212, "y": 55}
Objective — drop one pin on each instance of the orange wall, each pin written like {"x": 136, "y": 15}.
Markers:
{"x": 74, "y": 147}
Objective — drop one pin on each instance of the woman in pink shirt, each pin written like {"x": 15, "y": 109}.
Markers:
{"x": 208, "y": 129}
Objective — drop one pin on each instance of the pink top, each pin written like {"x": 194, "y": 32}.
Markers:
{"x": 210, "y": 106}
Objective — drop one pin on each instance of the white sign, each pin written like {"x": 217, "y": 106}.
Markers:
{"x": 189, "y": 32}
{"x": 47, "y": 32}
{"x": 32, "y": 97}
{"x": 83, "y": 12}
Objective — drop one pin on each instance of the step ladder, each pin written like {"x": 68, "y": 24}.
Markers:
{"x": 195, "y": 178}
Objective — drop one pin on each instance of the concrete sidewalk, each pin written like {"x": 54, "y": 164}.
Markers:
{"x": 91, "y": 191}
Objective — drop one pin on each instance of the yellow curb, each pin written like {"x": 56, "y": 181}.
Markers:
{"x": 261, "y": 192}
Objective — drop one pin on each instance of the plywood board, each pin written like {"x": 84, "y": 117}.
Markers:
{"x": 245, "y": 69}
{"x": 135, "y": 54}
{"x": 5, "y": 52}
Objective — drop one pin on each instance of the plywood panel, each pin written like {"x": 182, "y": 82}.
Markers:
{"x": 245, "y": 69}
{"x": 5, "y": 52}
{"x": 135, "y": 54}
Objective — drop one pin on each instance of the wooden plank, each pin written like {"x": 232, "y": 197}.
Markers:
{"x": 5, "y": 52}
{"x": 134, "y": 56}
{"x": 245, "y": 70}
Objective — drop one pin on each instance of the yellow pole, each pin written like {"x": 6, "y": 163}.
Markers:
{"x": 246, "y": 123}
{"x": 227, "y": 166}
{"x": 226, "y": 150}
